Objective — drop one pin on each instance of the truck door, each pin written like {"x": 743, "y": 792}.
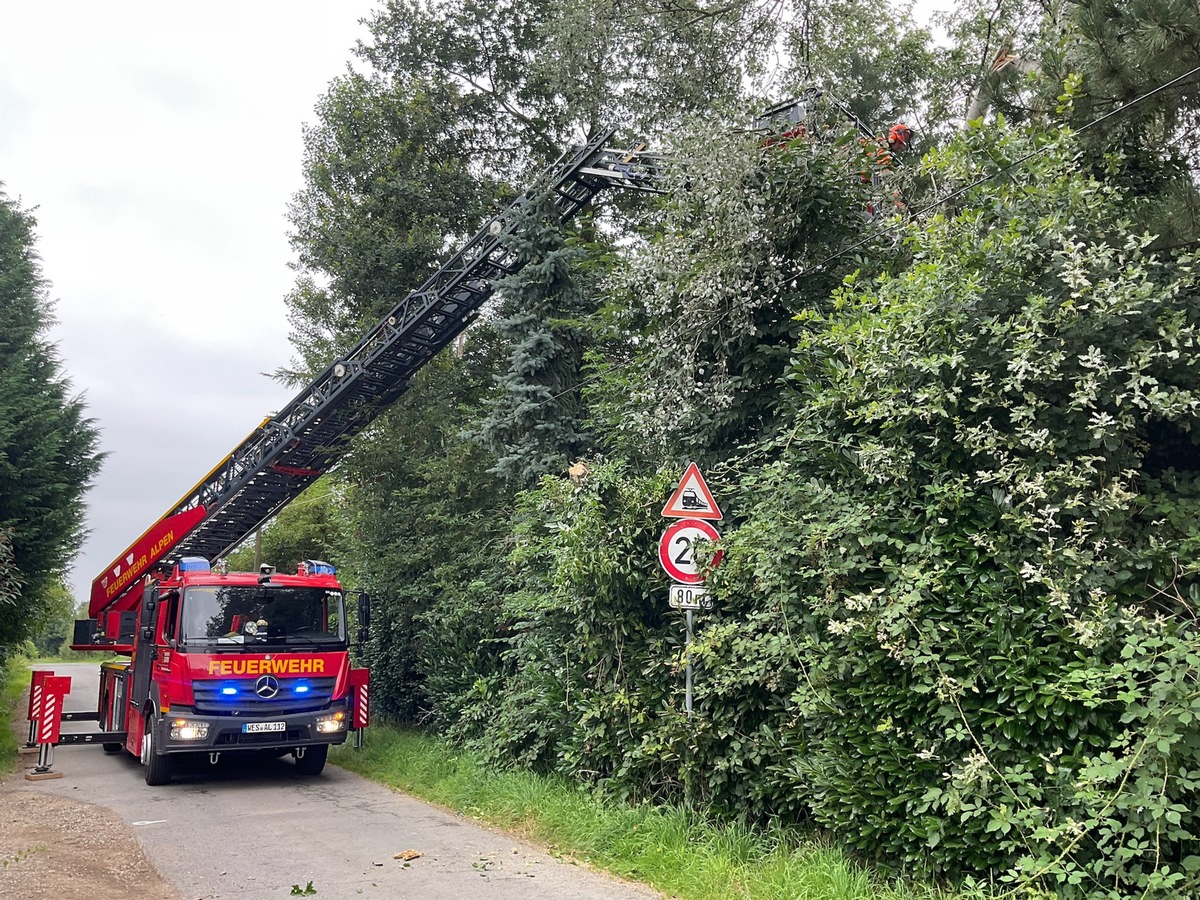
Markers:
{"x": 144, "y": 652}
{"x": 165, "y": 630}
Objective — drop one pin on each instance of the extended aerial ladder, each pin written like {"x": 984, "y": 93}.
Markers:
{"x": 291, "y": 449}
{"x": 800, "y": 116}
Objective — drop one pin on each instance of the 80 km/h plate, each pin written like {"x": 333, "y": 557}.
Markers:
{"x": 686, "y": 596}
{"x": 260, "y": 727}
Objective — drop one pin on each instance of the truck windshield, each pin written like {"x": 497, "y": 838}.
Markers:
{"x": 229, "y": 617}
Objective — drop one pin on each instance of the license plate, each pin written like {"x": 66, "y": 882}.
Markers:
{"x": 261, "y": 727}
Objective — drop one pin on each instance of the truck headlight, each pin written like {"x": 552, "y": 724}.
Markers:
{"x": 331, "y": 724}
{"x": 188, "y": 730}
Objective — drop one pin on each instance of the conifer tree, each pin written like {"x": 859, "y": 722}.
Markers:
{"x": 535, "y": 426}
{"x": 1125, "y": 75}
{"x": 47, "y": 444}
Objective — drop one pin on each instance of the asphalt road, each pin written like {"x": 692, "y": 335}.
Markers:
{"x": 254, "y": 829}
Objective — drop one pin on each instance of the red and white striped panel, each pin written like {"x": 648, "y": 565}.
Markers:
{"x": 36, "y": 684}
{"x": 50, "y": 718}
{"x": 50, "y": 714}
{"x": 362, "y": 706}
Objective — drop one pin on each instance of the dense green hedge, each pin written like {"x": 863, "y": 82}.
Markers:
{"x": 980, "y": 535}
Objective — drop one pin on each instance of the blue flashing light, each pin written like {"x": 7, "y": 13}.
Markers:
{"x": 228, "y": 691}
{"x": 300, "y": 689}
{"x": 194, "y": 564}
{"x": 316, "y": 567}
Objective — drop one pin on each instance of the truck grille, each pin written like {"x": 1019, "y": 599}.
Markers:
{"x": 210, "y": 696}
{"x": 231, "y": 738}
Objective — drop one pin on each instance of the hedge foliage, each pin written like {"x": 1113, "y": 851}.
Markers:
{"x": 978, "y": 543}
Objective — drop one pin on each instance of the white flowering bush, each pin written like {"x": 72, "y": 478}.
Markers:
{"x": 969, "y": 570}
{"x": 954, "y": 624}
{"x": 702, "y": 312}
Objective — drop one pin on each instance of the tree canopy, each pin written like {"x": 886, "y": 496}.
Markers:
{"x": 48, "y": 453}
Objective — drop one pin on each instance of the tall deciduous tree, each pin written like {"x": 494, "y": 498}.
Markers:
{"x": 48, "y": 451}
{"x": 546, "y": 71}
{"x": 388, "y": 186}
{"x": 56, "y": 619}
{"x": 870, "y": 57}
{"x": 308, "y": 528}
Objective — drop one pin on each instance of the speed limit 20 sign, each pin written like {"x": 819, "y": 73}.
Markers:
{"x": 677, "y": 549}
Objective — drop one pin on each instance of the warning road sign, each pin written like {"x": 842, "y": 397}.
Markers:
{"x": 692, "y": 499}
{"x": 677, "y": 549}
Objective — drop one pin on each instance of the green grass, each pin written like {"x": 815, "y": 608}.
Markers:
{"x": 12, "y": 689}
{"x": 678, "y": 852}
{"x": 73, "y": 656}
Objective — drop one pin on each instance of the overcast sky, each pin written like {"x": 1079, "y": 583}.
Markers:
{"x": 159, "y": 144}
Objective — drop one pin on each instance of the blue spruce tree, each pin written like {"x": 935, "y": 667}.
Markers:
{"x": 535, "y": 425}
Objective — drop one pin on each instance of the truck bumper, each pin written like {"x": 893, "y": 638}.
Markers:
{"x": 226, "y": 733}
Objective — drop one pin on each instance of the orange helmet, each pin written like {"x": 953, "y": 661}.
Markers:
{"x": 899, "y": 135}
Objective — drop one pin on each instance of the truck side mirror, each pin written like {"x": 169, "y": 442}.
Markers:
{"x": 364, "y": 617}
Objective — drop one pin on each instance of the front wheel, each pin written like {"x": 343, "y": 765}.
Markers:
{"x": 157, "y": 765}
{"x": 313, "y": 760}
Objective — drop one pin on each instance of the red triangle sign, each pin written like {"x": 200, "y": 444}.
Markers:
{"x": 692, "y": 499}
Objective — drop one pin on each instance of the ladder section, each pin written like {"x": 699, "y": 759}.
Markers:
{"x": 289, "y": 450}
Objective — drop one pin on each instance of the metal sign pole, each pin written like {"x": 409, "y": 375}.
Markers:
{"x": 693, "y": 507}
{"x": 687, "y": 655}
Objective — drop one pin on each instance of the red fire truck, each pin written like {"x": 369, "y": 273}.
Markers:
{"x": 225, "y": 662}
{"x": 221, "y": 662}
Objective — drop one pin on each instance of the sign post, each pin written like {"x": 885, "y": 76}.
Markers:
{"x": 677, "y": 555}
{"x": 694, "y": 506}
{"x": 687, "y": 671}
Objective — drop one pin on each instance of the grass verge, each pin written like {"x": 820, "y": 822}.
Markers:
{"x": 676, "y": 851}
{"x": 12, "y": 689}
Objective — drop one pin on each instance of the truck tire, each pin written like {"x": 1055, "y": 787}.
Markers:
{"x": 157, "y": 765}
{"x": 313, "y": 760}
